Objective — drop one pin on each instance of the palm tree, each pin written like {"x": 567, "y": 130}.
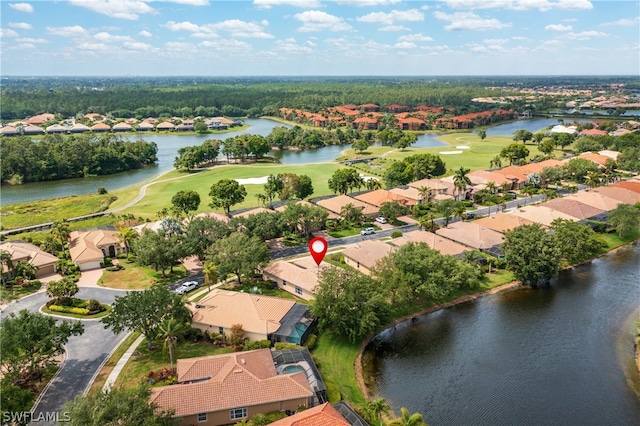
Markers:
{"x": 426, "y": 193}
{"x": 210, "y": 271}
{"x": 378, "y": 407}
{"x": 60, "y": 229}
{"x": 351, "y": 214}
{"x": 129, "y": 236}
{"x": 461, "y": 180}
{"x": 407, "y": 419}
{"x": 593, "y": 179}
{"x": 373, "y": 183}
{"x": 262, "y": 199}
{"x": 459, "y": 211}
{"x": 6, "y": 262}
{"x": 491, "y": 186}
{"x": 26, "y": 270}
{"x": 495, "y": 161}
{"x": 170, "y": 329}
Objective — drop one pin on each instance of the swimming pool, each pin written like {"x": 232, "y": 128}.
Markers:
{"x": 289, "y": 369}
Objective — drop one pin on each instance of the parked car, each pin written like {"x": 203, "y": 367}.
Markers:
{"x": 381, "y": 219}
{"x": 470, "y": 215}
{"x": 512, "y": 195}
{"x": 187, "y": 286}
{"x": 367, "y": 231}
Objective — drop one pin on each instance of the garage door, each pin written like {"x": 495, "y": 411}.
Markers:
{"x": 43, "y": 271}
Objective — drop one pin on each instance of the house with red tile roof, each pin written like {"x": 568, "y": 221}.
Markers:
{"x": 502, "y": 222}
{"x": 541, "y": 215}
{"x": 364, "y": 255}
{"x": 575, "y": 208}
{"x": 57, "y": 128}
{"x": 369, "y": 107}
{"x": 393, "y": 108}
{"x": 473, "y": 235}
{"x": 261, "y": 317}
{"x": 21, "y": 251}
{"x": 600, "y": 160}
{"x": 320, "y": 415}
{"x": 225, "y": 389}
{"x": 623, "y": 195}
{"x": 144, "y": 126}
{"x": 122, "y": 127}
{"x": 89, "y": 248}
{"x": 299, "y": 277}
{"x": 380, "y": 196}
{"x": 335, "y": 205}
{"x": 481, "y": 177}
{"x": 412, "y": 123}
{"x": 592, "y": 132}
{"x": 165, "y": 126}
{"x": 595, "y": 199}
{"x": 434, "y": 241}
{"x": 366, "y": 123}
{"x": 631, "y": 185}
{"x": 9, "y": 131}
{"x": 100, "y": 127}
{"x": 437, "y": 186}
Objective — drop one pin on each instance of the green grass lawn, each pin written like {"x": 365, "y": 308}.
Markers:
{"x": 33, "y": 213}
{"x": 8, "y": 293}
{"x": 101, "y": 377}
{"x": 139, "y": 277}
{"x": 139, "y": 366}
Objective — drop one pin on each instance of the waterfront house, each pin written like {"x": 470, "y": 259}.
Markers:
{"x": 575, "y": 208}
{"x": 122, "y": 127}
{"x": 225, "y": 389}
{"x": 434, "y": 241}
{"x": 100, "y": 127}
{"x": 299, "y": 277}
{"x": 261, "y": 317}
{"x": 364, "y": 255}
{"x": 473, "y": 235}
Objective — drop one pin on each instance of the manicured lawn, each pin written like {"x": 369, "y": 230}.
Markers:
{"x": 335, "y": 359}
{"x": 139, "y": 277}
{"x": 101, "y": 377}
{"x": 613, "y": 240}
{"x": 139, "y": 366}
{"x": 348, "y": 232}
{"x": 159, "y": 195}
{"x": 17, "y": 291}
{"x": 33, "y": 213}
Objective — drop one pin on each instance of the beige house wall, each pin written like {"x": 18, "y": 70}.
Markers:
{"x": 289, "y": 287}
{"x": 221, "y": 418}
{"x": 357, "y": 265}
{"x": 227, "y": 331}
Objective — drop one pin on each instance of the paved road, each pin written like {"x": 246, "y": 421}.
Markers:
{"x": 84, "y": 354}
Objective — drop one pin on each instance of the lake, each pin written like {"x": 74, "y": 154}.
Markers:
{"x": 557, "y": 356}
{"x": 169, "y": 144}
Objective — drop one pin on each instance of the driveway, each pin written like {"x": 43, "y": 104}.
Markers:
{"x": 85, "y": 354}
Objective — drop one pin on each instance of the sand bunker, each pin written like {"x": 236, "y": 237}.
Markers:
{"x": 450, "y": 152}
{"x": 253, "y": 181}
{"x": 463, "y": 147}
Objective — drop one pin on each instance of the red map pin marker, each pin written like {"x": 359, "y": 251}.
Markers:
{"x": 318, "y": 248}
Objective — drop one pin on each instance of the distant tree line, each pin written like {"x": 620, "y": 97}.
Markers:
{"x": 235, "y": 100}
{"x": 55, "y": 157}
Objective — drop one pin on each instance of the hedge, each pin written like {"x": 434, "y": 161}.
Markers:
{"x": 69, "y": 310}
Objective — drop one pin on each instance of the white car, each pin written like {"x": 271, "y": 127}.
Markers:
{"x": 186, "y": 287}
{"x": 381, "y": 219}
{"x": 367, "y": 231}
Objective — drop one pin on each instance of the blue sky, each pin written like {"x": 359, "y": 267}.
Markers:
{"x": 315, "y": 37}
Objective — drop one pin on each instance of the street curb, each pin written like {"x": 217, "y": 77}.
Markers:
{"x": 113, "y": 376}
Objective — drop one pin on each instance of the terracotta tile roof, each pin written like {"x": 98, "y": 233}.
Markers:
{"x": 335, "y": 205}
{"x": 368, "y": 252}
{"x": 596, "y": 158}
{"x": 300, "y": 272}
{"x": 513, "y": 173}
{"x": 122, "y": 126}
{"x": 628, "y": 184}
{"x": 408, "y": 192}
{"x": 320, "y": 415}
{"x": 165, "y": 125}
{"x": 436, "y": 242}
{"x": 593, "y": 132}
{"x": 438, "y": 186}
{"x": 623, "y": 195}
{"x": 483, "y": 176}
{"x": 253, "y": 211}
{"x": 572, "y": 208}
{"x": 241, "y": 379}
{"x": 20, "y": 250}
{"x": 257, "y": 313}
{"x": 8, "y": 130}
{"x": 99, "y": 126}
{"x": 217, "y": 216}
{"x": 502, "y": 222}
{"x": 611, "y": 154}
{"x": 84, "y": 246}
{"x": 541, "y": 215}
{"x": 381, "y": 196}
{"x": 472, "y": 235}
{"x": 282, "y": 208}
{"x": 595, "y": 199}
{"x": 145, "y": 125}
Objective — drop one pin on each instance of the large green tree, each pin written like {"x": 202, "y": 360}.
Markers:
{"x": 344, "y": 180}
{"x": 158, "y": 250}
{"x": 576, "y": 242}
{"x": 522, "y": 135}
{"x": 348, "y": 303}
{"x": 625, "y": 218}
{"x": 144, "y": 311}
{"x": 532, "y": 254}
{"x": 514, "y": 152}
{"x": 119, "y": 406}
{"x": 185, "y": 201}
{"x": 61, "y": 289}
{"x": 226, "y": 193}
{"x": 31, "y": 341}
{"x": 238, "y": 254}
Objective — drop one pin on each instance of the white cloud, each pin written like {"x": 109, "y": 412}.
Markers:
{"x": 7, "y": 33}
{"x": 411, "y": 15}
{"x": 71, "y": 31}
{"x": 31, "y": 40}
{"x": 289, "y": 46}
{"x": 488, "y": 45}
{"x": 144, "y": 33}
{"x": 20, "y": 25}
{"x": 625, "y": 22}
{"x": 93, "y": 46}
{"x": 469, "y": 21}
{"x": 190, "y": 2}
{"x": 558, "y": 27}
{"x": 363, "y": 3}
{"x": 405, "y": 45}
{"x": 104, "y": 36}
{"x": 520, "y": 38}
{"x": 586, "y": 35}
{"x": 414, "y": 37}
{"x": 394, "y": 28}
{"x": 26, "y": 46}
{"x": 542, "y": 5}
{"x": 121, "y": 9}
{"x": 268, "y": 4}
{"x": 315, "y": 20}
{"x": 21, "y": 7}
{"x": 228, "y": 47}
{"x": 179, "y": 46}
{"x": 136, "y": 45}
{"x": 235, "y": 27}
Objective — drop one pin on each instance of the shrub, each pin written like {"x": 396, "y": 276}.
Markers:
{"x": 264, "y": 344}
{"x": 249, "y": 345}
{"x": 396, "y": 234}
{"x": 94, "y": 306}
{"x": 102, "y": 190}
{"x": 193, "y": 334}
{"x": 285, "y": 345}
{"x": 69, "y": 310}
{"x": 311, "y": 342}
